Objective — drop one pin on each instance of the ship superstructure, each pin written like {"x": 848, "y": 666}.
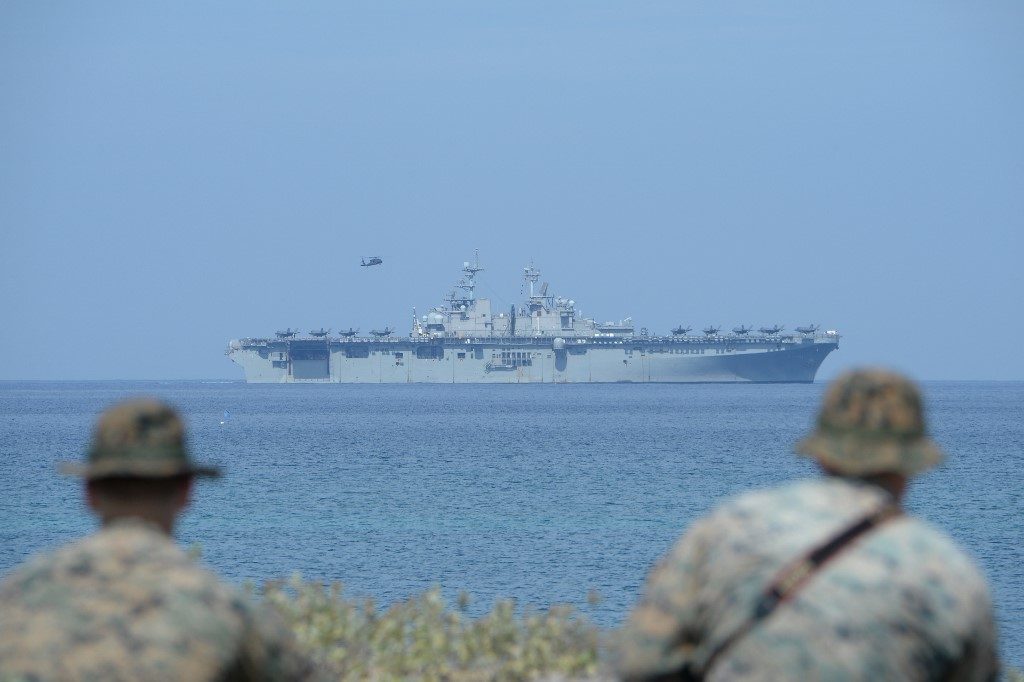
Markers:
{"x": 545, "y": 339}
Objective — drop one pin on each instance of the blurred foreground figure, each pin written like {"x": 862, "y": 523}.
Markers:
{"x": 126, "y": 603}
{"x": 822, "y": 579}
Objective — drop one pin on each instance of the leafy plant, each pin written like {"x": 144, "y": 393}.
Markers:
{"x": 425, "y": 638}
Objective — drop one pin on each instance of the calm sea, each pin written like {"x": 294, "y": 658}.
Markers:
{"x": 540, "y": 493}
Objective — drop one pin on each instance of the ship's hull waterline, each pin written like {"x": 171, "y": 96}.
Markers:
{"x": 403, "y": 361}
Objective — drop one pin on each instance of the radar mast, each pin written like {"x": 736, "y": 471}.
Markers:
{"x": 531, "y": 275}
{"x": 469, "y": 283}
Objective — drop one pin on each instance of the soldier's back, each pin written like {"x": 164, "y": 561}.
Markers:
{"x": 128, "y": 604}
{"x": 902, "y": 602}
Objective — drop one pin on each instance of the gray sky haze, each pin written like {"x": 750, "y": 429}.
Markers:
{"x": 175, "y": 176}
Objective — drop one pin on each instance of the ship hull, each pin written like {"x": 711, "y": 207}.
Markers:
{"x": 529, "y": 361}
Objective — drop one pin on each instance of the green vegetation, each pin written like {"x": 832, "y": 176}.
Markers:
{"x": 425, "y": 638}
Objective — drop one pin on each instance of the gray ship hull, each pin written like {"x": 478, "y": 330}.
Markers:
{"x": 793, "y": 360}
{"x": 466, "y": 340}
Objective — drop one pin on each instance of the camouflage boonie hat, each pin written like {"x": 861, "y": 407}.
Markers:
{"x": 871, "y": 421}
{"x": 140, "y": 438}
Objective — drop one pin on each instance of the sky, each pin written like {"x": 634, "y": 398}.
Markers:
{"x": 173, "y": 176}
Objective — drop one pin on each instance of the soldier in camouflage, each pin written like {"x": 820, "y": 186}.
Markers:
{"x": 126, "y": 603}
{"x": 900, "y": 601}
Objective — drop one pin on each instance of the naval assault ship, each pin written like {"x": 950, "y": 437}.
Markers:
{"x": 544, "y": 340}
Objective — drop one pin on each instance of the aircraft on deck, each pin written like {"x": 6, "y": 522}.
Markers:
{"x": 774, "y": 329}
{"x": 349, "y": 334}
{"x": 741, "y": 330}
{"x": 374, "y": 260}
{"x": 711, "y": 331}
{"x": 287, "y": 333}
{"x": 681, "y": 330}
{"x": 808, "y": 330}
{"x": 386, "y": 331}
{"x": 320, "y": 333}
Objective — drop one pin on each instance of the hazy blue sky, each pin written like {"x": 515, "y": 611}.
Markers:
{"x": 173, "y": 176}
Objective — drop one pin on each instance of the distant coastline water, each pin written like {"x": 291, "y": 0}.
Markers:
{"x": 539, "y": 493}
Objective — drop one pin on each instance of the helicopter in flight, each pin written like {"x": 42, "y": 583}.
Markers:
{"x": 742, "y": 330}
{"x": 287, "y": 333}
{"x": 810, "y": 329}
{"x": 769, "y": 331}
{"x": 320, "y": 333}
{"x": 386, "y": 331}
{"x": 681, "y": 330}
{"x": 349, "y": 334}
{"x": 711, "y": 331}
{"x": 373, "y": 260}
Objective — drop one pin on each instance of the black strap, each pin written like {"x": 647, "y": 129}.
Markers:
{"x": 795, "y": 575}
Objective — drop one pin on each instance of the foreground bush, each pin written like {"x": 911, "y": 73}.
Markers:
{"x": 424, "y": 638}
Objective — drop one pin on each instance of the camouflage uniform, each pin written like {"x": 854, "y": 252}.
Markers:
{"x": 126, "y": 603}
{"x": 901, "y": 602}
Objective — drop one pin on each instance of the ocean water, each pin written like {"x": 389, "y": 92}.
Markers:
{"x": 537, "y": 492}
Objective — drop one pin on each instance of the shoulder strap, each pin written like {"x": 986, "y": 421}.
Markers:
{"x": 795, "y": 575}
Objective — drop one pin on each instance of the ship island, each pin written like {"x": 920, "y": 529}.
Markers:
{"x": 544, "y": 340}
